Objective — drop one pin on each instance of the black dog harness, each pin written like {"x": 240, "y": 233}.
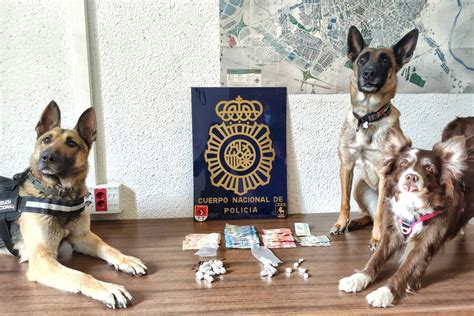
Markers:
{"x": 12, "y": 205}
{"x": 372, "y": 116}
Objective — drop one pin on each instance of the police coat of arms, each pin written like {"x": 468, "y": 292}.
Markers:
{"x": 239, "y": 149}
{"x": 239, "y": 152}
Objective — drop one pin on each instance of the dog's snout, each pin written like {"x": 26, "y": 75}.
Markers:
{"x": 48, "y": 156}
{"x": 412, "y": 178}
{"x": 369, "y": 74}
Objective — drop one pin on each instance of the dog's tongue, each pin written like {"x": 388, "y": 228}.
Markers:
{"x": 410, "y": 188}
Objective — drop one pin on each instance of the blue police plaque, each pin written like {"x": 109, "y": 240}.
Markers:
{"x": 239, "y": 148}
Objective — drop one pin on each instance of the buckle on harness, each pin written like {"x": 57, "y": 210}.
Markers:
{"x": 405, "y": 228}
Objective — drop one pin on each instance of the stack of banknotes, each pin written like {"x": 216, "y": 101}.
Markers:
{"x": 242, "y": 237}
{"x": 198, "y": 241}
{"x": 278, "y": 238}
{"x": 314, "y": 241}
{"x": 305, "y": 239}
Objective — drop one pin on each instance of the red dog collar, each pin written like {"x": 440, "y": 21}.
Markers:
{"x": 406, "y": 227}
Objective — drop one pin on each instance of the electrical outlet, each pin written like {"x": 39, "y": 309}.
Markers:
{"x": 105, "y": 199}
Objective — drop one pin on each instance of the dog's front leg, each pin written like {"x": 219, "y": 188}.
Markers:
{"x": 360, "y": 280}
{"x": 44, "y": 268}
{"x": 88, "y": 243}
{"x": 346, "y": 175}
{"x": 415, "y": 260}
{"x": 376, "y": 229}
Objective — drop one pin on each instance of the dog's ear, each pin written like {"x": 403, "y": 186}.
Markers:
{"x": 404, "y": 49}
{"x": 395, "y": 144}
{"x": 453, "y": 155}
{"x": 50, "y": 119}
{"x": 355, "y": 43}
{"x": 87, "y": 126}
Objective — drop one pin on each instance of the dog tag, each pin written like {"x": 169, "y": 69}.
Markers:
{"x": 365, "y": 125}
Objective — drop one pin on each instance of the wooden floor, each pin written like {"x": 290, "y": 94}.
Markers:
{"x": 170, "y": 286}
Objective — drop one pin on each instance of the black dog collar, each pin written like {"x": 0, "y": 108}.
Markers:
{"x": 372, "y": 116}
{"x": 46, "y": 190}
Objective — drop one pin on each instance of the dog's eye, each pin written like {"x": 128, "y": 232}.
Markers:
{"x": 47, "y": 140}
{"x": 363, "y": 59}
{"x": 385, "y": 59}
{"x": 404, "y": 163}
{"x": 72, "y": 144}
{"x": 429, "y": 168}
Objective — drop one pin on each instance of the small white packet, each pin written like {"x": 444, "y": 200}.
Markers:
{"x": 265, "y": 255}
{"x": 207, "y": 252}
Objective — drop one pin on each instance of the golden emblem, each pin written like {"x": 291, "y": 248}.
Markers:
{"x": 239, "y": 152}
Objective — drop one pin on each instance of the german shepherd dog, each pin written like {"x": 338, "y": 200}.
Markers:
{"x": 59, "y": 161}
{"x": 430, "y": 198}
{"x": 366, "y": 127}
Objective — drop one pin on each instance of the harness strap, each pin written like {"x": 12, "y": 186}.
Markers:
{"x": 372, "y": 116}
{"x": 64, "y": 209}
{"x": 407, "y": 227}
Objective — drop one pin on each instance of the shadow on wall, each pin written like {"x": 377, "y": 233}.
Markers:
{"x": 95, "y": 68}
{"x": 294, "y": 191}
{"x": 129, "y": 203}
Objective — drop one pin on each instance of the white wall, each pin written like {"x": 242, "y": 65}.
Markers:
{"x": 35, "y": 66}
{"x": 145, "y": 57}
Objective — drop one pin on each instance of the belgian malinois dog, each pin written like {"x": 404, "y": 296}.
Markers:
{"x": 366, "y": 127}
{"x": 58, "y": 169}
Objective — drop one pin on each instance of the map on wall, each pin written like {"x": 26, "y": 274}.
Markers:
{"x": 301, "y": 44}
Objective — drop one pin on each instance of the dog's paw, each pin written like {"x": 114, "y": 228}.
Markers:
{"x": 339, "y": 228}
{"x": 112, "y": 295}
{"x": 375, "y": 238}
{"x": 382, "y": 297}
{"x": 355, "y": 283}
{"x": 373, "y": 245}
{"x": 131, "y": 265}
{"x": 412, "y": 288}
{"x": 374, "y": 242}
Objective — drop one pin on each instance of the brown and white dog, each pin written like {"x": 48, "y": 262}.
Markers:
{"x": 430, "y": 198}
{"x": 366, "y": 127}
{"x": 59, "y": 164}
